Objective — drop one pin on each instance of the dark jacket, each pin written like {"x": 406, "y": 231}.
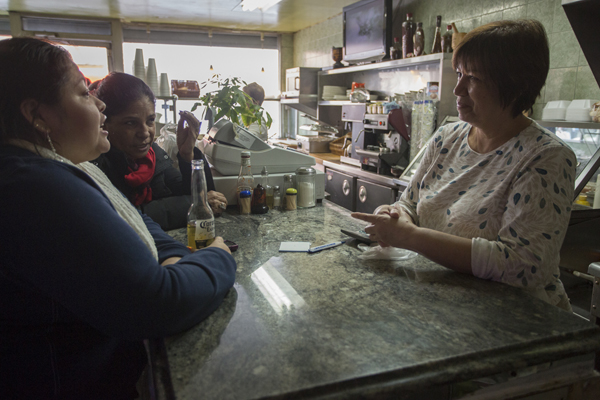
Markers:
{"x": 80, "y": 290}
{"x": 170, "y": 187}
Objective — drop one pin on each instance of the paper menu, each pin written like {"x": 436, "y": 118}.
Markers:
{"x": 294, "y": 246}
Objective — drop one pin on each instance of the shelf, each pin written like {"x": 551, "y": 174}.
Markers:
{"x": 175, "y": 97}
{"x": 336, "y": 102}
{"x": 407, "y": 62}
{"x": 568, "y": 124}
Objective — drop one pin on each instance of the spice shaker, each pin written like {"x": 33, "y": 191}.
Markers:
{"x": 305, "y": 177}
{"x": 276, "y": 198}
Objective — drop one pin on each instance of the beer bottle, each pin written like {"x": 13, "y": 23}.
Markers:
{"x": 200, "y": 219}
{"x": 245, "y": 182}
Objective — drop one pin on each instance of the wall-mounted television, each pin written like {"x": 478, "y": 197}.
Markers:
{"x": 367, "y": 31}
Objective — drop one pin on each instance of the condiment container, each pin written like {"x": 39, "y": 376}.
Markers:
{"x": 305, "y": 178}
{"x": 288, "y": 182}
{"x": 259, "y": 200}
{"x": 245, "y": 202}
{"x": 290, "y": 199}
{"x": 276, "y": 198}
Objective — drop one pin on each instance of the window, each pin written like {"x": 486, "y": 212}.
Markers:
{"x": 188, "y": 62}
{"x": 92, "y": 61}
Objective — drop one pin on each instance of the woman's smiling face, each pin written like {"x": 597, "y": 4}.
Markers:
{"x": 132, "y": 131}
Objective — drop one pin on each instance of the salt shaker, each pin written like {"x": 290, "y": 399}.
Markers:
{"x": 305, "y": 178}
{"x": 276, "y": 198}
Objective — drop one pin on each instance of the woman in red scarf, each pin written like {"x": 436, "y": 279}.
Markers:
{"x": 140, "y": 168}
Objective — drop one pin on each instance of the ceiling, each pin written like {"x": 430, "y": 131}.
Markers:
{"x": 286, "y": 16}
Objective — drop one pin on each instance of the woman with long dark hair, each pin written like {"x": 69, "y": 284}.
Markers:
{"x": 84, "y": 277}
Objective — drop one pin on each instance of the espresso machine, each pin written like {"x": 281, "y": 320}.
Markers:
{"x": 381, "y": 145}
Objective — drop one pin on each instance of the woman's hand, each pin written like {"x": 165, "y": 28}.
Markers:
{"x": 217, "y": 201}
{"x": 188, "y": 128}
{"x": 386, "y": 209}
{"x": 219, "y": 243}
{"x": 390, "y": 227}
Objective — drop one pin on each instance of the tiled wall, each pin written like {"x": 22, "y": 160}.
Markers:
{"x": 569, "y": 78}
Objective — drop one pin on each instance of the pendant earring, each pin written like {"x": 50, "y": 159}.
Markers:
{"x": 51, "y": 144}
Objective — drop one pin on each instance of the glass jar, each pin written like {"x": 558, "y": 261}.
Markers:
{"x": 305, "y": 177}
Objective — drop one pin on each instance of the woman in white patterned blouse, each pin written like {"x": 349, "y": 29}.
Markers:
{"x": 492, "y": 196}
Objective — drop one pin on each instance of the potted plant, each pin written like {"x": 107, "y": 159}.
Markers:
{"x": 230, "y": 101}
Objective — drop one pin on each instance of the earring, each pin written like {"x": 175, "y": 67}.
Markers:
{"x": 51, "y": 144}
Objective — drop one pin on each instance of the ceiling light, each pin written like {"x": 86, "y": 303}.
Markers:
{"x": 263, "y": 5}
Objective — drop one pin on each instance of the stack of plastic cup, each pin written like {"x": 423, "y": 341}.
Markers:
{"x": 165, "y": 85}
{"x": 139, "y": 69}
{"x": 152, "y": 76}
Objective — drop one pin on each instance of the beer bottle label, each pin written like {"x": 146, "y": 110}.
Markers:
{"x": 205, "y": 232}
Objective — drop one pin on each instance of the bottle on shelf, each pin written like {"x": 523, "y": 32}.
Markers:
{"x": 396, "y": 49}
{"x": 447, "y": 40}
{"x": 200, "y": 218}
{"x": 245, "y": 180}
{"x": 419, "y": 40}
{"x": 407, "y": 36}
{"x": 437, "y": 36}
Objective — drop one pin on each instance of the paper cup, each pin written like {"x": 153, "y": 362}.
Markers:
{"x": 165, "y": 85}
{"x": 152, "y": 76}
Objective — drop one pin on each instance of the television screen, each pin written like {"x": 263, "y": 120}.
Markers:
{"x": 367, "y": 28}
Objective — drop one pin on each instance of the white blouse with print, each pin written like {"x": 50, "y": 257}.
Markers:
{"x": 513, "y": 202}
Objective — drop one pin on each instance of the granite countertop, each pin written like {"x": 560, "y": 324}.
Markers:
{"x": 300, "y": 325}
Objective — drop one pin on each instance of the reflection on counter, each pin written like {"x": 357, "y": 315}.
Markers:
{"x": 278, "y": 292}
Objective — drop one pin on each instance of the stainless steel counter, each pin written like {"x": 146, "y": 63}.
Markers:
{"x": 371, "y": 176}
{"x": 329, "y": 325}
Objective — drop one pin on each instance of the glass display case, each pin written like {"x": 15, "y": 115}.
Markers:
{"x": 584, "y": 140}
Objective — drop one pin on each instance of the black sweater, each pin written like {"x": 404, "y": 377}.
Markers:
{"x": 171, "y": 188}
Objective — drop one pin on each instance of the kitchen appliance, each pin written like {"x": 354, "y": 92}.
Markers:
{"x": 301, "y": 80}
{"x": 223, "y": 146}
{"x": 315, "y": 138}
{"x": 301, "y": 89}
{"x": 379, "y": 146}
{"x": 314, "y": 143}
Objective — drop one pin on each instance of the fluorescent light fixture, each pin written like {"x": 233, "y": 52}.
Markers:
{"x": 251, "y": 5}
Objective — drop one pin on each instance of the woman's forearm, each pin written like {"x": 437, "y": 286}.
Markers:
{"x": 451, "y": 251}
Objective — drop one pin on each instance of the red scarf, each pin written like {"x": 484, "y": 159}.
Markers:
{"x": 140, "y": 174}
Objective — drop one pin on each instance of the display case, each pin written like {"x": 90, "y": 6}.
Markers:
{"x": 584, "y": 140}
{"x": 581, "y": 246}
